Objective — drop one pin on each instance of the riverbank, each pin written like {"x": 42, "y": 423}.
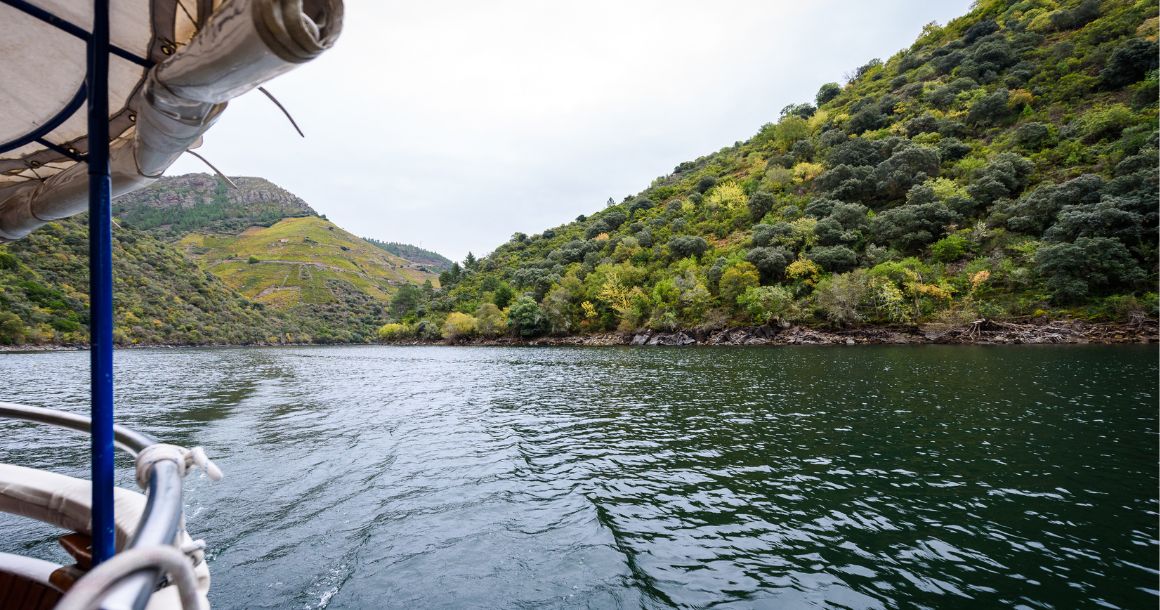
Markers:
{"x": 979, "y": 332}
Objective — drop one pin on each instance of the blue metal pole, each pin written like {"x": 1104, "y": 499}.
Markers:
{"x": 101, "y": 285}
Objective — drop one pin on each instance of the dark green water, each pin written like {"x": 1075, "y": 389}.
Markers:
{"x": 866, "y": 477}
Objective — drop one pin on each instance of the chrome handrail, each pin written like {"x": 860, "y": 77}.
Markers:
{"x": 161, "y": 520}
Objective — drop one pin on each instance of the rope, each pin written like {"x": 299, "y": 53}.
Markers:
{"x": 87, "y": 592}
{"x": 186, "y": 460}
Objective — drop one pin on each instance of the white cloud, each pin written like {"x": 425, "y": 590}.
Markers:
{"x": 453, "y": 124}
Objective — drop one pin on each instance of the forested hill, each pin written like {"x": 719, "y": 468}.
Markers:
{"x": 433, "y": 260}
{"x": 1002, "y": 166}
{"x": 160, "y": 296}
{"x": 198, "y": 261}
{"x": 272, "y": 247}
{"x": 177, "y": 205}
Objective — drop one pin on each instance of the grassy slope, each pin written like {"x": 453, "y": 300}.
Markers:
{"x": 332, "y": 285}
{"x": 297, "y": 258}
{"x": 1021, "y": 85}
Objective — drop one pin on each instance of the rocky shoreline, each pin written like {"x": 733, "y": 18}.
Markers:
{"x": 979, "y": 332}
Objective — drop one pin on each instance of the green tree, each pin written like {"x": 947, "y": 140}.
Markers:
{"x": 1090, "y": 266}
{"x": 11, "y": 329}
{"x": 760, "y": 204}
{"x": 526, "y": 319}
{"x": 766, "y": 304}
{"x": 490, "y": 320}
{"x": 458, "y": 326}
{"x": 503, "y": 295}
{"x": 827, "y": 92}
{"x": 735, "y": 280}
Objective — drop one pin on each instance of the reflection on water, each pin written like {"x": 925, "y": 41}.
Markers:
{"x": 878, "y": 477}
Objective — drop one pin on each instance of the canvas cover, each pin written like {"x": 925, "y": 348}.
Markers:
{"x": 173, "y": 66}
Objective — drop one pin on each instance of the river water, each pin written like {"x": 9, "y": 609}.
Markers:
{"x": 845, "y": 477}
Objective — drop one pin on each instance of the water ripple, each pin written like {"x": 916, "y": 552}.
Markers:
{"x": 599, "y": 478}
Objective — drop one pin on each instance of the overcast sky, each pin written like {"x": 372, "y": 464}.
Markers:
{"x": 453, "y": 124}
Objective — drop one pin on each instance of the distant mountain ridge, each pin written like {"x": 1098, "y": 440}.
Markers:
{"x": 434, "y": 260}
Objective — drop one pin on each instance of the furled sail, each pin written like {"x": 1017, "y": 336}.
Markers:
{"x": 173, "y": 67}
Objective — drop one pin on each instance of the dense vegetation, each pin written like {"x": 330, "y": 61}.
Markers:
{"x": 430, "y": 260}
{"x": 160, "y": 296}
{"x": 271, "y": 271}
{"x": 1004, "y": 165}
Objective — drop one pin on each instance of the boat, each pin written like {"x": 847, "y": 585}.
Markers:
{"x": 99, "y": 99}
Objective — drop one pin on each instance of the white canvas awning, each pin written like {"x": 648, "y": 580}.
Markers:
{"x": 173, "y": 66}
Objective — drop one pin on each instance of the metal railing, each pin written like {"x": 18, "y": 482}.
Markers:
{"x": 161, "y": 520}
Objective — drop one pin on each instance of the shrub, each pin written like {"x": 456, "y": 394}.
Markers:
{"x": 1006, "y": 176}
{"x": 850, "y": 215}
{"x": 1089, "y": 266}
{"x": 1033, "y": 136}
{"x": 735, "y": 280}
{"x": 908, "y": 228}
{"x": 526, "y": 319}
{"x": 760, "y": 204}
{"x": 11, "y": 329}
{"x": 766, "y": 304}
{"x": 908, "y": 166}
{"x": 768, "y": 235}
{"x": 944, "y": 96}
{"x": 990, "y": 109}
{"x": 848, "y": 183}
{"x": 394, "y": 331}
{"x": 1036, "y": 211}
{"x": 639, "y": 205}
{"x": 854, "y": 152}
{"x": 770, "y": 262}
{"x": 1105, "y": 123}
{"x": 867, "y": 119}
{"x": 980, "y": 29}
{"x": 684, "y": 246}
{"x": 834, "y": 258}
{"x": 950, "y": 248}
{"x": 705, "y": 183}
{"x": 827, "y": 92}
{"x": 253, "y": 260}
{"x": 821, "y": 208}
{"x": 922, "y": 124}
{"x": 1129, "y": 63}
{"x": 829, "y": 232}
{"x": 490, "y": 320}
{"x": 952, "y": 149}
{"x": 1111, "y": 217}
{"x": 1074, "y": 18}
{"x": 840, "y": 297}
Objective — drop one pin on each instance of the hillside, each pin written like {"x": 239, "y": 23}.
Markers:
{"x": 273, "y": 248}
{"x": 175, "y": 206}
{"x": 160, "y": 296}
{"x": 199, "y": 262}
{"x": 308, "y": 268}
{"x": 1003, "y": 166}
